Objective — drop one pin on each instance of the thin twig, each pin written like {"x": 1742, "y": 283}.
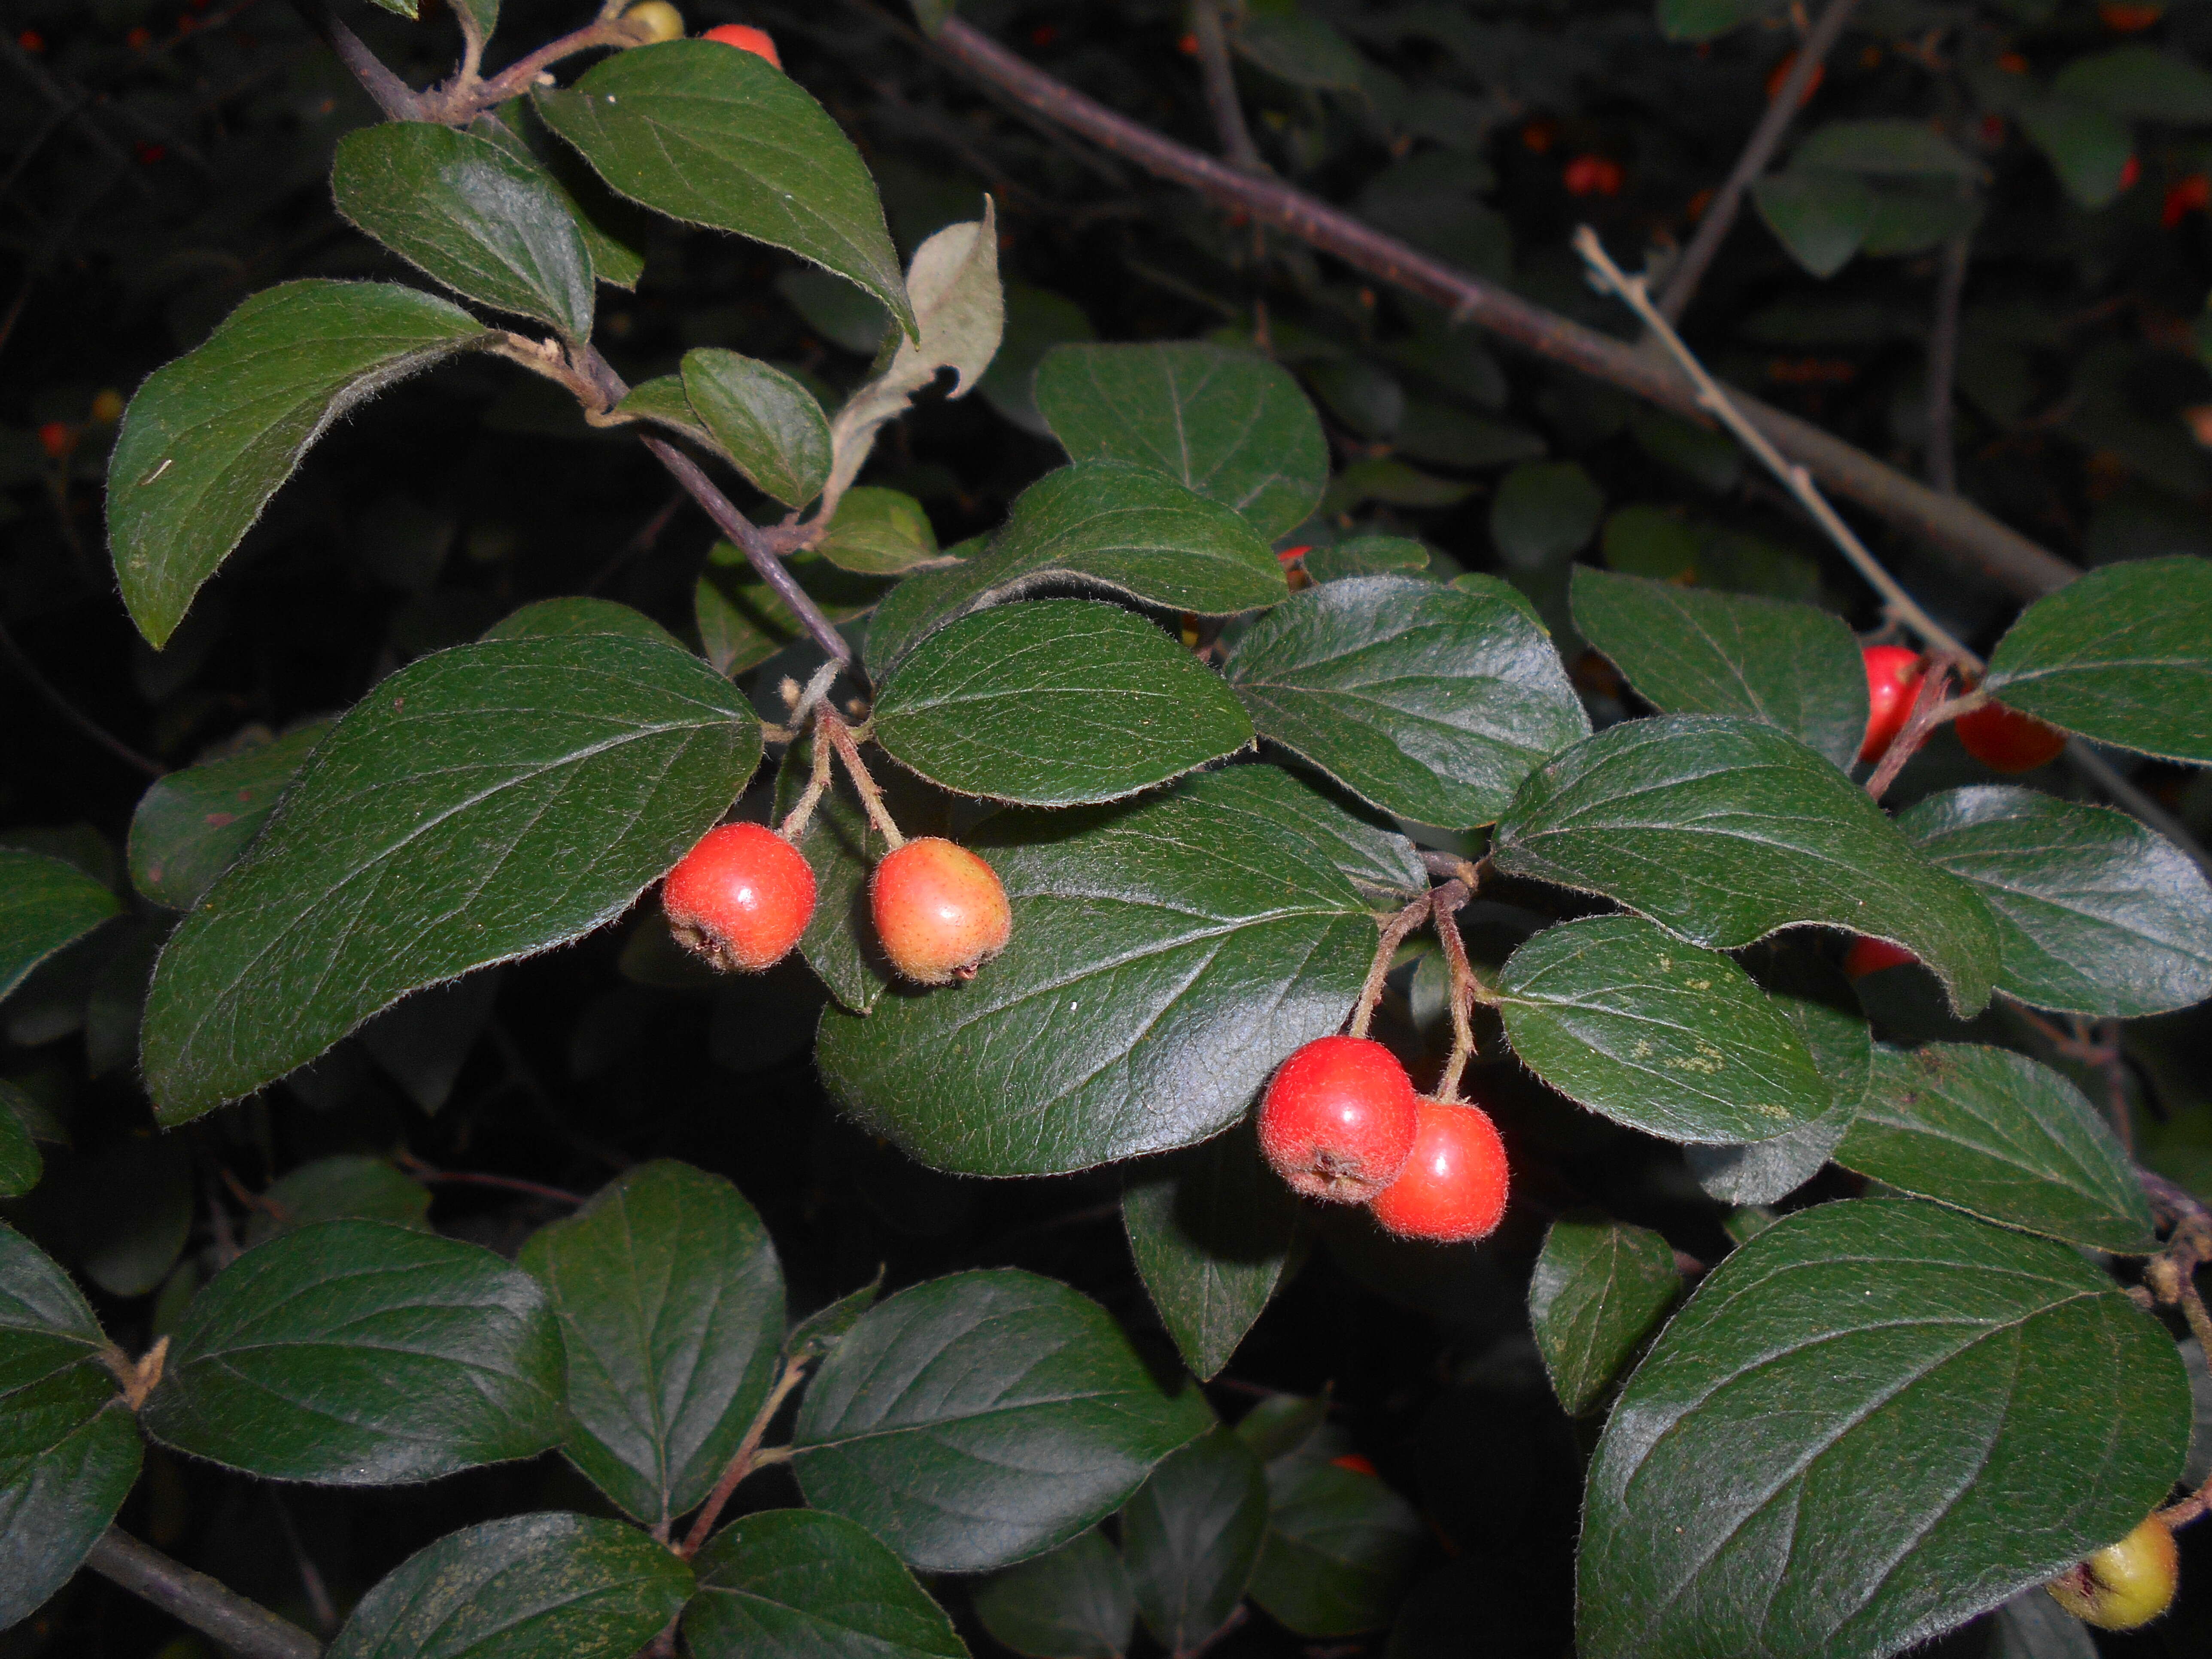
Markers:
{"x": 431, "y": 1177}
{"x": 465, "y": 102}
{"x": 1610, "y": 276}
{"x": 1221, "y": 99}
{"x": 75, "y": 108}
{"x": 827, "y": 724}
{"x": 1930, "y": 708}
{"x": 311, "y": 1577}
{"x": 398, "y": 100}
{"x": 214, "y": 1609}
{"x": 83, "y": 722}
{"x": 1765, "y": 137}
{"x": 746, "y": 1459}
{"x": 1444, "y": 905}
{"x": 1386, "y": 947}
{"x": 1943, "y": 365}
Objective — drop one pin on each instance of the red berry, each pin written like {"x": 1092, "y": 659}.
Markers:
{"x": 740, "y": 898}
{"x": 31, "y": 40}
{"x": 1893, "y": 674}
{"x": 1337, "y": 1121}
{"x": 2185, "y": 197}
{"x": 745, "y": 38}
{"x": 2125, "y": 19}
{"x": 1453, "y": 1186}
{"x": 56, "y": 438}
{"x": 1353, "y": 1463}
{"x": 2005, "y": 740}
{"x": 1593, "y": 175}
{"x": 1871, "y": 956}
{"x": 940, "y": 911}
{"x": 2130, "y": 173}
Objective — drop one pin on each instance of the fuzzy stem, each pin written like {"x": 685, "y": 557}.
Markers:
{"x": 746, "y": 1459}
{"x": 1465, "y": 993}
{"x": 802, "y": 811}
{"x": 840, "y": 738}
{"x": 1394, "y": 935}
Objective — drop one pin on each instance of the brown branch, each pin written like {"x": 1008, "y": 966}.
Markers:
{"x": 1765, "y": 138}
{"x": 1386, "y": 947}
{"x": 1943, "y": 365}
{"x": 1444, "y": 904}
{"x": 1946, "y": 522}
{"x": 1221, "y": 99}
{"x": 211, "y": 1608}
{"x": 69, "y": 711}
{"x": 398, "y": 100}
{"x": 465, "y": 101}
{"x": 744, "y": 1461}
{"x": 1932, "y": 707}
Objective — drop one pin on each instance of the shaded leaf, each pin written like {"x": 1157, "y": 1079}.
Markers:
{"x": 20, "y": 1162}
{"x": 578, "y": 614}
{"x": 1885, "y": 146}
{"x": 69, "y": 1457}
{"x": 1543, "y": 510}
{"x": 1191, "y": 1536}
{"x": 348, "y": 1187}
{"x": 742, "y": 622}
{"x": 45, "y": 904}
{"x": 2139, "y": 83}
{"x": 192, "y": 824}
{"x": 1074, "y": 1602}
{"x": 1600, "y": 1288}
{"x": 1822, "y": 218}
{"x": 1339, "y": 1550}
{"x": 877, "y": 532}
{"x": 762, "y": 419}
{"x": 615, "y": 231}
{"x": 810, "y": 1585}
{"x": 2089, "y": 148}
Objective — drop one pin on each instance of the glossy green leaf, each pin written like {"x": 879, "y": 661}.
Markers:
{"x": 1211, "y": 1229}
{"x": 1822, "y": 218}
{"x": 1074, "y": 1602}
{"x": 20, "y": 1162}
{"x": 525, "y": 1587}
{"x": 68, "y": 1456}
{"x": 1200, "y": 937}
{"x": 479, "y": 805}
{"x": 671, "y": 1305}
{"x": 1691, "y": 651}
{"x": 2095, "y": 913}
{"x": 1617, "y": 1013}
{"x": 191, "y": 825}
{"x": 488, "y": 224}
{"x": 615, "y": 231}
{"x": 2139, "y": 83}
{"x": 44, "y": 904}
{"x": 1365, "y": 556}
{"x": 1431, "y": 702}
{"x": 762, "y": 419}
{"x": 1339, "y": 1552}
{"x": 1724, "y": 830}
{"x": 1100, "y": 525}
{"x": 348, "y": 1187}
{"x": 877, "y": 532}
{"x": 718, "y": 137}
{"x": 1600, "y": 1288}
{"x": 1056, "y": 703}
{"x": 2123, "y": 655}
{"x": 1191, "y": 1536}
{"x": 1231, "y": 425}
{"x": 979, "y": 1418}
{"x": 209, "y": 438}
{"x": 578, "y": 614}
{"x": 803, "y": 1584}
{"x": 2002, "y": 1136}
{"x": 362, "y": 1354}
{"x": 742, "y": 622}
{"x": 1543, "y": 512}
{"x": 663, "y": 401}
{"x": 2089, "y": 148}
{"x": 1872, "y": 1422}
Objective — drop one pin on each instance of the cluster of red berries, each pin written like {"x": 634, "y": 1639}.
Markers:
{"x": 2003, "y": 739}
{"x": 744, "y": 895}
{"x": 651, "y": 21}
{"x": 1593, "y": 175}
{"x": 1341, "y": 1123}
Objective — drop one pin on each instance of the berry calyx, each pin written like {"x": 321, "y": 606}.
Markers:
{"x": 2005, "y": 740}
{"x": 2124, "y": 1584}
{"x": 1871, "y": 956}
{"x": 1893, "y": 674}
{"x": 745, "y": 38}
{"x": 652, "y": 22}
{"x": 1454, "y": 1185}
{"x": 940, "y": 912}
{"x": 740, "y": 898}
{"x": 1338, "y": 1120}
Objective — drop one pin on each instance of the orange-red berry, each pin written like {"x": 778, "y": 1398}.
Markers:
{"x": 940, "y": 911}
{"x": 1454, "y": 1185}
{"x": 1593, "y": 175}
{"x": 2005, "y": 740}
{"x": 745, "y": 38}
{"x": 2130, "y": 173}
{"x": 1871, "y": 956}
{"x": 2126, "y": 1585}
{"x": 1338, "y": 1120}
{"x": 2125, "y": 19}
{"x": 2185, "y": 196}
{"x": 1893, "y": 674}
{"x": 56, "y": 438}
{"x": 740, "y": 898}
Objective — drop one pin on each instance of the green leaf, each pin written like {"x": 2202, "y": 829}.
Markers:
{"x": 1280, "y": 1423}
{"x": 2122, "y": 655}
{"x": 1886, "y": 147}
{"x": 982, "y": 1418}
{"x": 1191, "y": 1537}
{"x": 1600, "y": 1288}
{"x": 2089, "y": 148}
{"x": 877, "y": 532}
{"x": 818, "y": 1335}
{"x": 2001, "y": 1136}
{"x": 2095, "y": 913}
{"x": 615, "y": 231}
{"x": 1056, "y": 703}
{"x": 803, "y": 1585}
{"x": 1821, "y": 218}
{"x": 1379, "y": 478}
{"x": 1365, "y": 556}
{"x": 1300, "y": 49}
{"x": 1617, "y": 1013}
{"x": 2139, "y": 83}
{"x": 718, "y": 137}
{"x": 528, "y": 1586}
{"x": 1200, "y": 937}
{"x": 209, "y": 438}
{"x": 1544, "y": 512}
{"x": 192, "y": 824}
{"x": 348, "y": 1187}
{"x": 1873, "y": 1421}
{"x": 671, "y": 1305}
{"x": 742, "y": 621}
{"x": 1339, "y": 1552}
{"x": 2032, "y": 1625}
{"x": 578, "y": 614}
{"x": 762, "y": 419}
{"x": 479, "y": 805}
{"x": 68, "y": 1456}
{"x": 1074, "y": 1602}
{"x": 44, "y": 904}
{"x": 1433, "y": 702}
{"x": 1445, "y": 436}
{"x": 1724, "y": 830}
{"x": 488, "y": 224}
{"x": 835, "y": 310}
{"x": 1211, "y": 1229}
{"x": 1230, "y": 424}
{"x": 1692, "y": 653}
{"x": 1098, "y": 525}
{"x": 1704, "y": 20}
{"x": 362, "y": 1353}
{"x": 663, "y": 401}
{"x": 20, "y": 1162}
